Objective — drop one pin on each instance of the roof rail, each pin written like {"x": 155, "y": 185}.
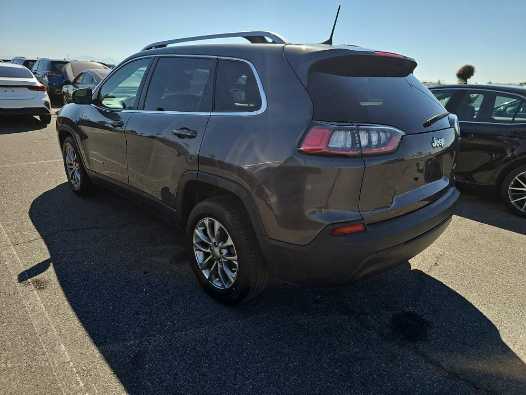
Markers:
{"x": 255, "y": 37}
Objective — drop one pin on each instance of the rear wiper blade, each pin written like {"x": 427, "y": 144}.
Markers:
{"x": 435, "y": 118}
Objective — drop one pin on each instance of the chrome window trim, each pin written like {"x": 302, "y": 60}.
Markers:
{"x": 480, "y": 90}
{"x": 488, "y": 91}
{"x": 261, "y": 89}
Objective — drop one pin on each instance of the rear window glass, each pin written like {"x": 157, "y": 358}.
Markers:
{"x": 15, "y": 72}
{"x": 236, "y": 88}
{"x": 57, "y": 67}
{"x": 399, "y": 101}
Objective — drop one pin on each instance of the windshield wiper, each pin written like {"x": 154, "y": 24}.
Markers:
{"x": 435, "y": 118}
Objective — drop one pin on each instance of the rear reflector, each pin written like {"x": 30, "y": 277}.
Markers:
{"x": 351, "y": 140}
{"x": 348, "y": 229}
{"x": 39, "y": 87}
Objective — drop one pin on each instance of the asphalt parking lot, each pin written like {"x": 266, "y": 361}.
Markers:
{"x": 96, "y": 296}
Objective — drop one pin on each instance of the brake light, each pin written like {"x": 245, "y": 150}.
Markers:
{"x": 38, "y": 87}
{"x": 351, "y": 140}
{"x": 348, "y": 229}
{"x": 389, "y": 54}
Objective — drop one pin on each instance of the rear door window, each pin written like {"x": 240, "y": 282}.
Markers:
{"x": 521, "y": 113}
{"x": 237, "y": 89}
{"x": 505, "y": 108}
{"x": 180, "y": 84}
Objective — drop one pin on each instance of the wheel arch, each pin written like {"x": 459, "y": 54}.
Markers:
{"x": 195, "y": 187}
{"x": 521, "y": 161}
{"x": 64, "y": 129}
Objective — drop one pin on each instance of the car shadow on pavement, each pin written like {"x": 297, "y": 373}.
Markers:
{"x": 125, "y": 276}
{"x": 19, "y": 124}
{"x": 486, "y": 208}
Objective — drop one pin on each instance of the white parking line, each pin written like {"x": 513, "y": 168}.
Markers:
{"x": 57, "y": 355}
{"x": 30, "y": 163}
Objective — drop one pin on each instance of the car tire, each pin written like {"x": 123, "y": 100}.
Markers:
{"x": 512, "y": 191}
{"x": 248, "y": 271}
{"x": 45, "y": 119}
{"x": 78, "y": 179}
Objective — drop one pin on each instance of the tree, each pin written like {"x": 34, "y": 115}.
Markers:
{"x": 465, "y": 73}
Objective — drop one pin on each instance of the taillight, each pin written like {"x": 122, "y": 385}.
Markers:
{"x": 348, "y": 229}
{"x": 38, "y": 87}
{"x": 389, "y": 54}
{"x": 351, "y": 140}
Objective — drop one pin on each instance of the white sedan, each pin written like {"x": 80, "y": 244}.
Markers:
{"x": 22, "y": 94}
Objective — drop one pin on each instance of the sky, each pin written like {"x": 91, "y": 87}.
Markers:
{"x": 440, "y": 35}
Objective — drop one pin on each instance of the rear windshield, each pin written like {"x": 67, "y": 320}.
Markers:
{"x": 399, "y": 101}
{"x": 15, "y": 72}
{"x": 57, "y": 67}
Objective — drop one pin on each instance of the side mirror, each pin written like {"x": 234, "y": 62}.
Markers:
{"x": 82, "y": 96}
{"x": 67, "y": 82}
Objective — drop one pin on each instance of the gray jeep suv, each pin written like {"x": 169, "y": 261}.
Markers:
{"x": 312, "y": 163}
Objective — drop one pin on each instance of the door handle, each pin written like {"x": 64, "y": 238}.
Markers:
{"x": 185, "y": 133}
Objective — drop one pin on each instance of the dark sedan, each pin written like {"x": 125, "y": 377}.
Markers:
{"x": 86, "y": 79}
{"x": 493, "y": 144}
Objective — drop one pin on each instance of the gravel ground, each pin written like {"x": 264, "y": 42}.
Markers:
{"x": 96, "y": 296}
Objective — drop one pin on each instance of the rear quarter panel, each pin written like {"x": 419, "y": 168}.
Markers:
{"x": 259, "y": 152}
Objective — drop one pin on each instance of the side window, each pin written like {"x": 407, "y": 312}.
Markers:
{"x": 43, "y": 67}
{"x": 521, "y": 114}
{"x": 236, "y": 88}
{"x": 35, "y": 66}
{"x": 121, "y": 90}
{"x": 443, "y": 96}
{"x": 505, "y": 108}
{"x": 469, "y": 107}
{"x": 180, "y": 84}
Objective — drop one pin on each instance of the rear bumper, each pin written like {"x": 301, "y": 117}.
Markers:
{"x": 330, "y": 260}
{"x": 24, "y": 111}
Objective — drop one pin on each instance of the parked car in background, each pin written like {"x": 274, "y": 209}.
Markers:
{"x": 109, "y": 65}
{"x": 51, "y": 73}
{"x": 301, "y": 161}
{"x": 24, "y": 62}
{"x": 86, "y": 79}
{"x": 22, "y": 94}
{"x": 75, "y": 67}
{"x": 493, "y": 138}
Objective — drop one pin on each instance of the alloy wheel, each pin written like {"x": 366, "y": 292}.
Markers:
{"x": 72, "y": 165}
{"x": 215, "y": 253}
{"x": 517, "y": 192}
